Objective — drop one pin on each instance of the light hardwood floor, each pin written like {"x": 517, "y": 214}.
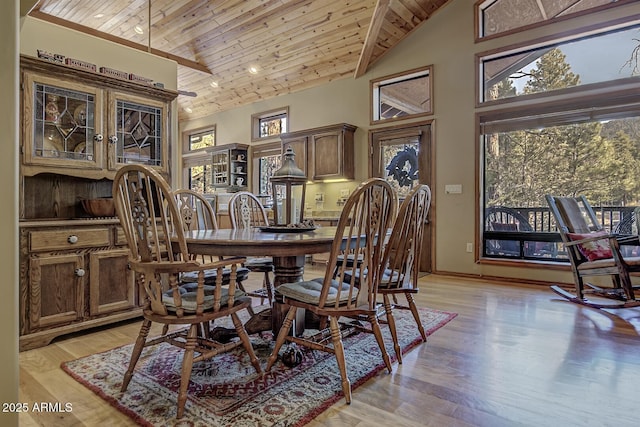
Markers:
{"x": 516, "y": 355}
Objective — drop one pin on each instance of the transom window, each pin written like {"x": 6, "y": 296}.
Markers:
{"x": 402, "y": 96}
{"x": 269, "y": 124}
{"x": 612, "y": 55}
{"x": 498, "y": 17}
{"x": 201, "y": 139}
{"x": 196, "y": 159}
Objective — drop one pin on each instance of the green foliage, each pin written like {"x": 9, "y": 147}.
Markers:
{"x": 599, "y": 160}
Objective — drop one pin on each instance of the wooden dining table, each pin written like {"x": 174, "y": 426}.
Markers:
{"x": 287, "y": 248}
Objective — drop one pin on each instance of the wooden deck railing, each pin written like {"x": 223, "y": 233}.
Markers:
{"x": 535, "y": 236}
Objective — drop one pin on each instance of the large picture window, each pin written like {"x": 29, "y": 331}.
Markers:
{"x": 584, "y": 142}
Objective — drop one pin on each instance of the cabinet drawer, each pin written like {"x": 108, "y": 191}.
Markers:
{"x": 121, "y": 239}
{"x": 43, "y": 240}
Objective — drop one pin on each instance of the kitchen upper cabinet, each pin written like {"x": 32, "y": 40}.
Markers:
{"x": 325, "y": 152}
{"x": 87, "y": 124}
{"x": 230, "y": 166}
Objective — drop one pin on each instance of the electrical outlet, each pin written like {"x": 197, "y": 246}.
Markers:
{"x": 469, "y": 247}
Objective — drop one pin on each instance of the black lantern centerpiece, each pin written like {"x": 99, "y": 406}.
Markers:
{"x": 289, "y": 186}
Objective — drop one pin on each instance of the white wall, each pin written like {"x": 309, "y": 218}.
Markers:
{"x": 446, "y": 41}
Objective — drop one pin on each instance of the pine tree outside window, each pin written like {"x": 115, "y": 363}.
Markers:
{"x": 579, "y": 133}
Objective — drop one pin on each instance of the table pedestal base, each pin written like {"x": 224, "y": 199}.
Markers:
{"x": 286, "y": 270}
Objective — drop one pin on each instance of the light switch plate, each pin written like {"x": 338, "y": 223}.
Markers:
{"x": 453, "y": 189}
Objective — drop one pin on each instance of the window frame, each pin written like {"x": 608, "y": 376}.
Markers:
{"x": 197, "y": 157}
{"x": 478, "y": 18}
{"x": 607, "y": 100}
{"x": 259, "y": 151}
{"x": 575, "y": 34}
{"x": 186, "y": 136}
{"x": 258, "y": 117}
{"x": 376, "y": 84}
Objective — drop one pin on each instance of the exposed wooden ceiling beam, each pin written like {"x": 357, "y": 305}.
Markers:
{"x": 372, "y": 37}
{"x": 87, "y": 30}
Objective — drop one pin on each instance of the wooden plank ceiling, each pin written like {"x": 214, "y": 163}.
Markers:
{"x": 293, "y": 44}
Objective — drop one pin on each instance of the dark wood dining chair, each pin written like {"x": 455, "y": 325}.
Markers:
{"x": 151, "y": 220}
{"x": 246, "y": 211}
{"x": 593, "y": 251}
{"x": 400, "y": 266}
{"x": 197, "y": 214}
{"x": 364, "y": 222}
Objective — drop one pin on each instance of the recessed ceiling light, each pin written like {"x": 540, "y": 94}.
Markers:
{"x": 138, "y": 29}
{"x": 99, "y": 15}
{"x": 188, "y": 110}
{"x": 214, "y": 84}
{"x": 253, "y": 70}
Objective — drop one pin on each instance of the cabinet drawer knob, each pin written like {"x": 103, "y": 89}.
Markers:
{"x": 72, "y": 239}
{"x": 98, "y": 137}
{"x": 80, "y": 272}
{"x": 113, "y": 139}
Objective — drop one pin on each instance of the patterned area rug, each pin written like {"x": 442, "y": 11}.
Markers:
{"x": 226, "y": 390}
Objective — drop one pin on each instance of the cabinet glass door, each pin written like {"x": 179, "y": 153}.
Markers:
{"x": 139, "y": 133}
{"x": 220, "y": 164}
{"x": 63, "y": 124}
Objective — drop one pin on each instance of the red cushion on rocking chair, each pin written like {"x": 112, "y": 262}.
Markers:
{"x": 596, "y": 249}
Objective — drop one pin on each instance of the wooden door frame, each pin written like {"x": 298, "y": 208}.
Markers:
{"x": 426, "y": 163}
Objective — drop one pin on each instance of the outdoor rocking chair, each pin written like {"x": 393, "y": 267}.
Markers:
{"x": 593, "y": 251}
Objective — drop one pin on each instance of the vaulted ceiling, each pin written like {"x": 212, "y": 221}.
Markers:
{"x": 291, "y": 44}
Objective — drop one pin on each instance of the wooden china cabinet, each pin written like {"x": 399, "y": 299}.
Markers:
{"x": 78, "y": 128}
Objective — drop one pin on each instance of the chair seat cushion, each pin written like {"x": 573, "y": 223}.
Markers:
{"x": 259, "y": 263}
{"x": 389, "y": 278}
{"x": 633, "y": 262}
{"x": 188, "y": 294}
{"x": 309, "y": 291}
{"x": 242, "y": 273}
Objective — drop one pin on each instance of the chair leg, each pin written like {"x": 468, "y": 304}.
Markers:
{"x": 241, "y": 286}
{"x": 339, "y": 352}
{"x": 135, "y": 354}
{"x": 414, "y": 310}
{"x": 242, "y": 334}
{"x": 268, "y": 286}
{"x": 392, "y": 327}
{"x": 282, "y": 335}
{"x": 377, "y": 332}
{"x": 187, "y": 365}
{"x": 626, "y": 285}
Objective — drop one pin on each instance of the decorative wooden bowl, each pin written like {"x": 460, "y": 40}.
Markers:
{"x": 99, "y": 207}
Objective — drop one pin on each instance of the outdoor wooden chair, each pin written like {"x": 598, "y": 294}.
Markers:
{"x": 364, "y": 222}
{"x": 593, "y": 251}
{"x": 246, "y": 211}
{"x": 153, "y": 228}
{"x": 400, "y": 265}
